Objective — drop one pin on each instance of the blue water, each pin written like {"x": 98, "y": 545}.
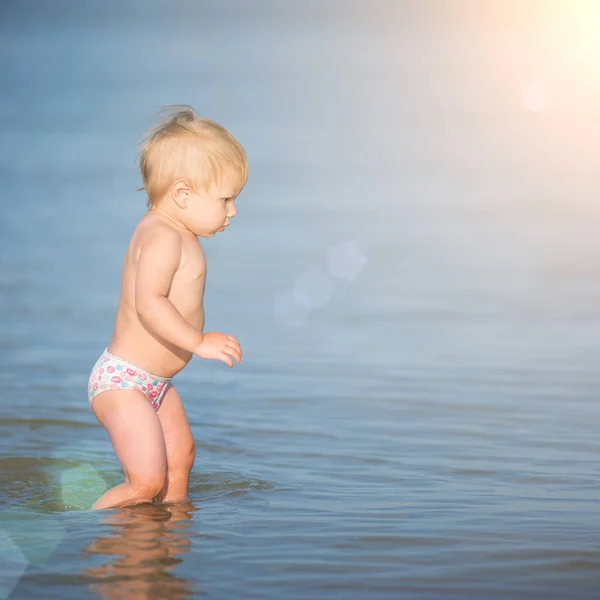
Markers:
{"x": 413, "y": 275}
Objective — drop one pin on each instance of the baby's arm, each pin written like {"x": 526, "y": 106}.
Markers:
{"x": 158, "y": 262}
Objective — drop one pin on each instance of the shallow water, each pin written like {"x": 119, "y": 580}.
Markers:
{"x": 413, "y": 276}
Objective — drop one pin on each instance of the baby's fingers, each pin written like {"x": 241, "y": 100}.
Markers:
{"x": 235, "y": 352}
{"x": 231, "y": 341}
{"x": 226, "y": 359}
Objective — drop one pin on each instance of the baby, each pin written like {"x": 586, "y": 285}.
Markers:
{"x": 193, "y": 170}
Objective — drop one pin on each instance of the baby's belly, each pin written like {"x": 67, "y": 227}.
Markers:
{"x": 133, "y": 343}
{"x": 150, "y": 355}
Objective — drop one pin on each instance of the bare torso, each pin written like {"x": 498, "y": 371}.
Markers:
{"x": 131, "y": 340}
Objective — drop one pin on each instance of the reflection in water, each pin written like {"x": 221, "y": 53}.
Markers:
{"x": 145, "y": 545}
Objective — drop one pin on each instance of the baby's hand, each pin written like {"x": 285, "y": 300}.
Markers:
{"x": 219, "y": 346}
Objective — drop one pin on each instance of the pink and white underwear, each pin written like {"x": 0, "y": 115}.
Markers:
{"x": 113, "y": 373}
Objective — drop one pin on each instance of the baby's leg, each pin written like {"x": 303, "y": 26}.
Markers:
{"x": 179, "y": 443}
{"x": 137, "y": 438}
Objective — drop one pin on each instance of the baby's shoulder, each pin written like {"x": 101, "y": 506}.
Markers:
{"x": 155, "y": 236}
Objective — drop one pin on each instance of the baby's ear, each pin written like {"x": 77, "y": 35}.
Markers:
{"x": 179, "y": 192}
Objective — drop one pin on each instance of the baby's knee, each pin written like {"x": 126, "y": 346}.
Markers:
{"x": 191, "y": 455}
{"x": 187, "y": 456}
{"x": 183, "y": 461}
{"x": 149, "y": 486}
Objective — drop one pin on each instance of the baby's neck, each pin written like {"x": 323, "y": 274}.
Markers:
{"x": 170, "y": 218}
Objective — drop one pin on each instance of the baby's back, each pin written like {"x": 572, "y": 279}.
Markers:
{"x": 131, "y": 340}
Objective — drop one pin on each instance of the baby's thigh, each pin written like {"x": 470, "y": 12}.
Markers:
{"x": 134, "y": 430}
{"x": 176, "y": 429}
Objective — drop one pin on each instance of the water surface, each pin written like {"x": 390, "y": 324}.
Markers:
{"x": 421, "y": 420}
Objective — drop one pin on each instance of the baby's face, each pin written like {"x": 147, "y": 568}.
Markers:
{"x": 208, "y": 212}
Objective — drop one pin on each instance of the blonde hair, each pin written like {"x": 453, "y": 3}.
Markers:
{"x": 185, "y": 146}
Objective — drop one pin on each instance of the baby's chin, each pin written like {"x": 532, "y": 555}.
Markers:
{"x": 209, "y": 234}
{"x": 213, "y": 233}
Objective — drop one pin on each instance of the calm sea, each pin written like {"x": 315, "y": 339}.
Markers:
{"x": 414, "y": 276}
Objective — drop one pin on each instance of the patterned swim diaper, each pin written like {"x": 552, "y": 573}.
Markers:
{"x": 113, "y": 373}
